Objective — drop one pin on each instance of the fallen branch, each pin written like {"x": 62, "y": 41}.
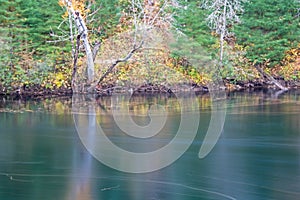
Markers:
{"x": 268, "y": 76}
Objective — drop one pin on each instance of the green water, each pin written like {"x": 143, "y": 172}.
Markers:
{"x": 256, "y": 157}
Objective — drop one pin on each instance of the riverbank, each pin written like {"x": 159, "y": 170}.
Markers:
{"x": 104, "y": 90}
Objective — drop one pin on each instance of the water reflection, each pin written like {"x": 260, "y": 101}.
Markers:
{"x": 257, "y": 157}
{"x": 79, "y": 184}
{"x": 138, "y": 161}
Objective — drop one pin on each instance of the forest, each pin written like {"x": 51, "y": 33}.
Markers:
{"x": 83, "y": 46}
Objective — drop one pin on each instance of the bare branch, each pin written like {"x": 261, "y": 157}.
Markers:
{"x": 94, "y": 12}
{"x": 56, "y": 41}
{"x": 61, "y": 23}
{"x": 126, "y": 58}
{"x": 158, "y": 13}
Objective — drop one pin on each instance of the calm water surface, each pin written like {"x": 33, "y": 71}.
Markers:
{"x": 256, "y": 157}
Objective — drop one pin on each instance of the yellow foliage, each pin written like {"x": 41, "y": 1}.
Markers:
{"x": 292, "y": 55}
{"x": 56, "y": 80}
{"x": 77, "y": 5}
{"x": 290, "y": 70}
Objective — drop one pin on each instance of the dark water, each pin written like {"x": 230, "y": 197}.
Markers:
{"x": 256, "y": 157}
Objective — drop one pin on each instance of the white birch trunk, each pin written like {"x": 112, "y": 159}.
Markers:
{"x": 83, "y": 31}
{"x": 222, "y": 35}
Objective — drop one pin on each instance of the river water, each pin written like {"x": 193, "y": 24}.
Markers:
{"x": 257, "y": 156}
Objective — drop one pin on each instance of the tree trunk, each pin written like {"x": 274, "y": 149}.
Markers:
{"x": 74, "y": 86}
{"x": 222, "y": 35}
{"x": 90, "y": 60}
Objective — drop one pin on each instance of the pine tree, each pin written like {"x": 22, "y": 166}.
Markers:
{"x": 269, "y": 28}
{"x": 190, "y": 19}
{"x": 26, "y": 27}
{"x": 26, "y": 54}
{"x": 12, "y": 30}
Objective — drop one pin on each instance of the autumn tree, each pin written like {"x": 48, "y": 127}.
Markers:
{"x": 140, "y": 17}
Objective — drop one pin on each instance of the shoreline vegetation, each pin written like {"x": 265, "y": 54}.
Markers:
{"x": 64, "y": 47}
{"x": 113, "y": 85}
{"x": 230, "y": 86}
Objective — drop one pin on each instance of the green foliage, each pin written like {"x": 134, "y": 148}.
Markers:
{"x": 105, "y": 20}
{"x": 269, "y": 28}
{"x": 190, "y": 19}
{"x": 28, "y": 25}
{"x": 27, "y": 57}
{"x": 20, "y": 78}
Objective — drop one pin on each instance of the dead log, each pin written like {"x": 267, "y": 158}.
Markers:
{"x": 270, "y": 78}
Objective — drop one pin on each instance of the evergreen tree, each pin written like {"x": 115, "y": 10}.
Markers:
{"x": 104, "y": 21}
{"x": 12, "y": 30}
{"x": 190, "y": 19}
{"x": 269, "y": 28}
{"x": 26, "y": 55}
{"x": 39, "y": 18}
{"x": 26, "y": 26}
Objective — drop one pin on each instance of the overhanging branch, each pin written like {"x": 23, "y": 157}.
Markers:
{"x": 126, "y": 58}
